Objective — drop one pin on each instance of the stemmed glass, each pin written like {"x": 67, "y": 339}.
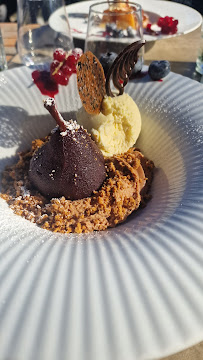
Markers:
{"x": 112, "y": 26}
{"x": 38, "y": 32}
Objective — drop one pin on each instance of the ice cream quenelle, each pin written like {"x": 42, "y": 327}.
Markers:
{"x": 116, "y": 128}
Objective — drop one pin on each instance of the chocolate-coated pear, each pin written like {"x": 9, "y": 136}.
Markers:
{"x": 69, "y": 164}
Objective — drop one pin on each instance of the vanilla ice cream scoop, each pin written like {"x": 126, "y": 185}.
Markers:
{"x": 116, "y": 128}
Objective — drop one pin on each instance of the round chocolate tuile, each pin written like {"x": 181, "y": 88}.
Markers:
{"x": 122, "y": 68}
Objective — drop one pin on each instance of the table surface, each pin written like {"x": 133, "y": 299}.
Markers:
{"x": 181, "y": 51}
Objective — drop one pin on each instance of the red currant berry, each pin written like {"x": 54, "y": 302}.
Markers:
{"x": 66, "y": 70}
{"x": 160, "y": 22}
{"x": 71, "y": 61}
{"x": 168, "y": 25}
{"x": 60, "y": 78}
{"x": 77, "y": 52}
{"x": 148, "y": 27}
{"x": 59, "y": 54}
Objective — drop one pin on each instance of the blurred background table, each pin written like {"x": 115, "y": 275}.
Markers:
{"x": 181, "y": 51}
{"x": 9, "y": 34}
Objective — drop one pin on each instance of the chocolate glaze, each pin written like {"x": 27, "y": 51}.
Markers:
{"x": 122, "y": 68}
{"x": 68, "y": 165}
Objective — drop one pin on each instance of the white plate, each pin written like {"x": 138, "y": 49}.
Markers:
{"x": 133, "y": 292}
{"x": 189, "y": 19}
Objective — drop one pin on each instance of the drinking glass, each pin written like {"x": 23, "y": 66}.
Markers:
{"x": 38, "y": 32}
{"x": 112, "y": 26}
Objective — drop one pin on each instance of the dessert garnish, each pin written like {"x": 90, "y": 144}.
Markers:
{"x": 45, "y": 84}
{"x": 107, "y": 60}
{"x": 61, "y": 68}
{"x": 167, "y": 25}
{"x": 64, "y": 65}
{"x": 69, "y": 164}
{"x": 159, "y": 69}
{"x": 122, "y": 68}
{"x": 117, "y": 124}
{"x": 90, "y": 82}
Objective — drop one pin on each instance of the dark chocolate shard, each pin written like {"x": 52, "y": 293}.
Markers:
{"x": 122, "y": 67}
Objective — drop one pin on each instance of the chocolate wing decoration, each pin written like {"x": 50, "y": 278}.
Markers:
{"x": 122, "y": 67}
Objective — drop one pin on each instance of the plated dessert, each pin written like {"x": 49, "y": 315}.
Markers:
{"x": 120, "y": 17}
{"x": 81, "y": 180}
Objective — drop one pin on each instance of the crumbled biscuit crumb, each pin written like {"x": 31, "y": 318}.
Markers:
{"x": 117, "y": 198}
